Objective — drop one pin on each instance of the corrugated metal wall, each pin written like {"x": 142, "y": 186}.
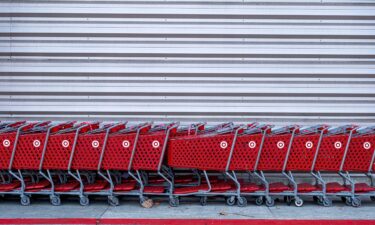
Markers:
{"x": 272, "y": 60}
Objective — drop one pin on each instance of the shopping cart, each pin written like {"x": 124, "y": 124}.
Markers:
{"x": 146, "y": 162}
{"x": 245, "y": 158}
{"x": 300, "y": 159}
{"x": 359, "y": 159}
{"x": 273, "y": 158}
{"x": 210, "y": 150}
{"x": 25, "y": 159}
{"x": 8, "y": 134}
{"x": 329, "y": 159}
{"x": 115, "y": 161}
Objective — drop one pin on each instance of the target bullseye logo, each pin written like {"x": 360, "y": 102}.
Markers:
{"x": 36, "y": 143}
{"x": 252, "y": 144}
{"x": 367, "y": 145}
{"x": 65, "y": 143}
{"x": 223, "y": 144}
{"x": 6, "y": 143}
{"x": 126, "y": 144}
{"x": 155, "y": 144}
{"x": 309, "y": 144}
{"x": 280, "y": 144}
{"x": 95, "y": 144}
{"x": 338, "y": 144}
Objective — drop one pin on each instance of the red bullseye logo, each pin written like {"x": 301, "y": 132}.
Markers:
{"x": 223, "y": 144}
{"x": 126, "y": 144}
{"x": 65, "y": 143}
{"x": 95, "y": 144}
{"x": 155, "y": 144}
{"x": 309, "y": 145}
{"x": 36, "y": 143}
{"x": 6, "y": 143}
{"x": 338, "y": 144}
{"x": 280, "y": 144}
{"x": 252, "y": 144}
{"x": 367, "y": 145}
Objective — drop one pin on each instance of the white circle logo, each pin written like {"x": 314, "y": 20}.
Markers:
{"x": 367, "y": 145}
{"x": 338, "y": 144}
{"x": 223, "y": 144}
{"x": 6, "y": 143}
{"x": 280, "y": 144}
{"x": 36, "y": 143}
{"x": 126, "y": 144}
{"x": 252, "y": 144}
{"x": 155, "y": 144}
{"x": 95, "y": 144}
{"x": 309, "y": 144}
{"x": 65, "y": 143}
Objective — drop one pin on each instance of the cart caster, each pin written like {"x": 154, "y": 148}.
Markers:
{"x": 259, "y": 201}
{"x": 270, "y": 202}
{"x": 146, "y": 202}
{"x": 315, "y": 199}
{"x": 288, "y": 200}
{"x": 298, "y": 202}
{"x": 347, "y": 200}
{"x": 84, "y": 201}
{"x": 203, "y": 201}
{"x": 230, "y": 200}
{"x": 55, "y": 200}
{"x": 372, "y": 198}
{"x": 241, "y": 201}
{"x": 326, "y": 202}
{"x": 174, "y": 201}
{"x": 25, "y": 200}
{"x": 356, "y": 202}
{"x": 113, "y": 201}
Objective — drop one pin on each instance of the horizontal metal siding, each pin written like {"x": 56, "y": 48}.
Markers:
{"x": 302, "y": 61}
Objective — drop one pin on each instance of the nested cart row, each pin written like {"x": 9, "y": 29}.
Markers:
{"x": 173, "y": 160}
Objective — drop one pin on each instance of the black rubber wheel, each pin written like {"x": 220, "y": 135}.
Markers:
{"x": 259, "y": 201}
{"x": 230, "y": 200}
{"x": 270, "y": 202}
{"x": 327, "y": 202}
{"x": 174, "y": 202}
{"x": 298, "y": 202}
{"x": 55, "y": 200}
{"x": 356, "y": 202}
{"x": 203, "y": 201}
{"x": 113, "y": 201}
{"x": 241, "y": 201}
{"x": 25, "y": 200}
{"x": 84, "y": 201}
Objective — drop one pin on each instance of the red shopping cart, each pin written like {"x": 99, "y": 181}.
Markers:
{"x": 273, "y": 158}
{"x": 329, "y": 158}
{"x": 359, "y": 159}
{"x": 211, "y": 150}
{"x": 300, "y": 159}
{"x": 147, "y": 160}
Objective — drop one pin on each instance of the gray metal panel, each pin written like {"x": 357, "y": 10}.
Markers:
{"x": 300, "y": 61}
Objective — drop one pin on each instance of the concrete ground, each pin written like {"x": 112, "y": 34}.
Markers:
{"x": 188, "y": 209}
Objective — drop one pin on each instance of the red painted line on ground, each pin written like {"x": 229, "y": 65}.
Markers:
{"x": 183, "y": 221}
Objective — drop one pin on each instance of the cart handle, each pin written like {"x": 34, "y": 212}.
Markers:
{"x": 62, "y": 126}
{"x": 343, "y": 129}
{"x": 366, "y": 130}
{"x": 314, "y": 129}
{"x": 286, "y": 129}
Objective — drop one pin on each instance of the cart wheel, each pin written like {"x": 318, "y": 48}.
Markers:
{"x": 259, "y": 201}
{"x": 298, "y": 202}
{"x": 230, "y": 200}
{"x": 241, "y": 201}
{"x": 356, "y": 202}
{"x": 327, "y": 202}
{"x": 288, "y": 200}
{"x": 348, "y": 201}
{"x": 146, "y": 202}
{"x": 315, "y": 199}
{"x": 203, "y": 200}
{"x": 372, "y": 198}
{"x": 113, "y": 201}
{"x": 174, "y": 201}
{"x": 25, "y": 200}
{"x": 55, "y": 200}
{"x": 270, "y": 202}
{"x": 84, "y": 201}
